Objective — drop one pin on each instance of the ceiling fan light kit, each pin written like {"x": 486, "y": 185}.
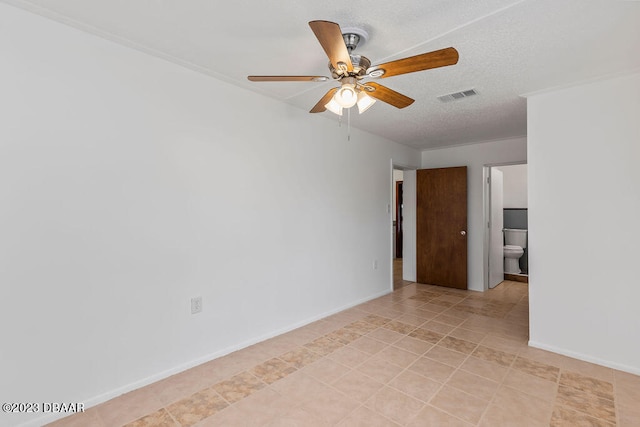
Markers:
{"x": 364, "y": 102}
{"x": 346, "y": 96}
{"x": 334, "y": 107}
{"x": 350, "y": 69}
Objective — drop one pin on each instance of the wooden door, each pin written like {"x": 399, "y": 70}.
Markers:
{"x": 441, "y": 227}
{"x": 398, "y": 219}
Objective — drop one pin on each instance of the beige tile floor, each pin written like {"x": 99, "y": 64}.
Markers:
{"x": 420, "y": 356}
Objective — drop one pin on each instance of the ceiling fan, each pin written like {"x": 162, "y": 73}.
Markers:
{"x": 350, "y": 70}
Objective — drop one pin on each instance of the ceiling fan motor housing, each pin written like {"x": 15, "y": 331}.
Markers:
{"x": 360, "y": 66}
{"x": 353, "y": 36}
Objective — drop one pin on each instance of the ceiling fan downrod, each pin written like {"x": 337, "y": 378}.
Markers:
{"x": 351, "y": 40}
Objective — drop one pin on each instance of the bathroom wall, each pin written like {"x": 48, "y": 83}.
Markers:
{"x": 514, "y": 186}
{"x": 518, "y": 218}
{"x": 515, "y": 203}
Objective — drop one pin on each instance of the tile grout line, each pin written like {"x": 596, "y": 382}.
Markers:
{"x": 388, "y": 344}
{"x": 615, "y": 393}
{"x": 387, "y": 384}
{"x": 510, "y": 367}
{"x": 500, "y": 384}
{"x": 442, "y": 385}
{"x": 405, "y": 369}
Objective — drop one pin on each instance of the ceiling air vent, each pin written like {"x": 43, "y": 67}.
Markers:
{"x": 457, "y": 95}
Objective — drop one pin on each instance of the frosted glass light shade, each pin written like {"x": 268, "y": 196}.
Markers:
{"x": 364, "y": 102}
{"x": 346, "y": 96}
{"x": 334, "y": 107}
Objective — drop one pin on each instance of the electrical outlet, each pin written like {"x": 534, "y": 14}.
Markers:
{"x": 196, "y": 305}
{"x": 375, "y": 264}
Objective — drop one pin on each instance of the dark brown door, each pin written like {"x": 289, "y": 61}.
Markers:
{"x": 398, "y": 219}
{"x": 441, "y": 227}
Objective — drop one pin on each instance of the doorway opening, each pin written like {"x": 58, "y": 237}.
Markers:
{"x": 506, "y": 216}
{"x": 397, "y": 221}
{"x": 402, "y": 225}
{"x": 397, "y": 213}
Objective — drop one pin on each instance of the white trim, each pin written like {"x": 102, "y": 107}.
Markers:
{"x": 584, "y": 357}
{"x": 402, "y": 167}
{"x": 463, "y": 144}
{"x": 123, "y": 41}
{"x": 608, "y": 76}
{"x": 96, "y": 400}
{"x": 486, "y": 194}
{"x": 392, "y": 234}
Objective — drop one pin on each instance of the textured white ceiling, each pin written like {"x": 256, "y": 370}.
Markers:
{"x": 507, "y": 48}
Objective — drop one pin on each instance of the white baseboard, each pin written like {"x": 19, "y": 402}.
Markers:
{"x": 96, "y": 400}
{"x": 591, "y": 359}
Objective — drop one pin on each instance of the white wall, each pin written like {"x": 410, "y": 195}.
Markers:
{"x": 475, "y": 157}
{"x": 514, "y": 186}
{"x": 116, "y": 208}
{"x": 584, "y": 205}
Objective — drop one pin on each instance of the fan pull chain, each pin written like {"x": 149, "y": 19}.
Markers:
{"x": 349, "y": 124}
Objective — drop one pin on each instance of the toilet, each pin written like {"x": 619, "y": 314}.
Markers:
{"x": 515, "y": 241}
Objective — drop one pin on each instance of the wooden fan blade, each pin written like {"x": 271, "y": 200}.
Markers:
{"x": 319, "y": 107}
{"x": 387, "y": 95}
{"x": 288, "y": 78}
{"x": 329, "y": 35}
{"x": 425, "y": 61}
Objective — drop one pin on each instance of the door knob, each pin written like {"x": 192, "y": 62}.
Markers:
{"x": 464, "y": 233}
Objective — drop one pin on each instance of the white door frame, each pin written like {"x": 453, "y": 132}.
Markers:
{"x": 496, "y": 225}
{"x": 486, "y": 172}
{"x": 407, "y": 237}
